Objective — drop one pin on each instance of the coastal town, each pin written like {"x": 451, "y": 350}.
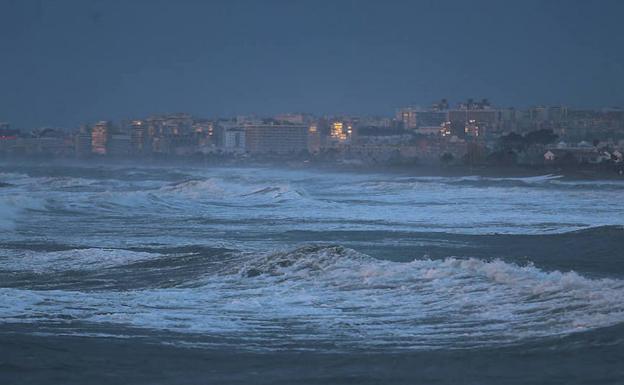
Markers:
{"x": 472, "y": 132}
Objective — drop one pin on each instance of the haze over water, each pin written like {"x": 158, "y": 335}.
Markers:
{"x": 323, "y": 265}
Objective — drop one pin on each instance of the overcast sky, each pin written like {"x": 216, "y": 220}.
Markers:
{"x": 63, "y": 63}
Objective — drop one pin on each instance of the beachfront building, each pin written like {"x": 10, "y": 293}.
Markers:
{"x": 276, "y": 138}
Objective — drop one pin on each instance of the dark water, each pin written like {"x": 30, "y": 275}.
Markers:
{"x": 188, "y": 275}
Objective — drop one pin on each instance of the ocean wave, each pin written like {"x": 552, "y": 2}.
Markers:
{"x": 12, "y": 176}
{"x": 83, "y": 259}
{"x": 13, "y": 205}
{"x": 346, "y": 299}
{"x": 608, "y": 230}
{"x": 95, "y": 197}
{"x": 243, "y": 191}
{"x": 196, "y": 187}
{"x": 46, "y": 182}
{"x": 61, "y": 182}
{"x": 548, "y": 181}
{"x": 526, "y": 179}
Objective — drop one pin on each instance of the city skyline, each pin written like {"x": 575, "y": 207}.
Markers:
{"x": 473, "y": 132}
{"x": 433, "y": 105}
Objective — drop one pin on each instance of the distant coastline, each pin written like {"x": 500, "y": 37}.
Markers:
{"x": 576, "y": 172}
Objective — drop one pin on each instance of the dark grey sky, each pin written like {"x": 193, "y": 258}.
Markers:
{"x": 67, "y": 62}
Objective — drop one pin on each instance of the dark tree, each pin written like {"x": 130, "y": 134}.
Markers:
{"x": 447, "y": 158}
{"x": 568, "y": 159}
{"x": 475, "y": 154}
{"x": 502, "y": 158}
{"x": 512, "y": 141}
{"x": 543, "y": 136}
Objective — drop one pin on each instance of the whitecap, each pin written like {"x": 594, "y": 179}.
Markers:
{"x": 338, "y": 296}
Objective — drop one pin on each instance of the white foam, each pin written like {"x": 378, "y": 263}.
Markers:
{"x": 197, "y": 188}
{"x": 76, "y": 259}
{"x": 344, "y": 298}
{"x": 235, "y": 191}
{"x": 326, "y": 201}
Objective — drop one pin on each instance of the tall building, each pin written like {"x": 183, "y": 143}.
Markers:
{"x": 472, "y": 129}
{"x": 338, "y": 131}
{"x": 557, "y": 113}
{"x": 539, "y": 113}
{"x": 234, "y": 140}
{"x": 177, "y": 124}
{"x": 276, "y": 138}
{"x": 430, "y": 118}
{"x": 119, "y": 144}
{"x": 314, "y": 139}
{"x": 204, "y": 132}
{"x": 100, "y": 135}
{"x": 82, "y": 142}
{"x": 407, "y": 117}
{"x": 139, "y": 138}
{"x": 473, "y": 117}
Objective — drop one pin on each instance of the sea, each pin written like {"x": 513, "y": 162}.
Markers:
{"x": 201, "y": 274}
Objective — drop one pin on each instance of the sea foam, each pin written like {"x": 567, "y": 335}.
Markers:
{"x": 337, "y": 296}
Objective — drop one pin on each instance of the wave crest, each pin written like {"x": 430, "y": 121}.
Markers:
{"x": 334, "y": 295}
{"x": 305, "y": 260}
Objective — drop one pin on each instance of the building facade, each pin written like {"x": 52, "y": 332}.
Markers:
{"x": 276, "y": 138}
{"x": 100, "y": 135}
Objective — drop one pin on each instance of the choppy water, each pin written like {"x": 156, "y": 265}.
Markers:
{"x": 267, "y": 261}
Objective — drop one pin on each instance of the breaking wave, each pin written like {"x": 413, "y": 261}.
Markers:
{"x": 340, "y": 298}
{"x": 219, "y": 188}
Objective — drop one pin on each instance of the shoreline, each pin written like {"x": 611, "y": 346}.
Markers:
{"x": 583, "y": 172}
